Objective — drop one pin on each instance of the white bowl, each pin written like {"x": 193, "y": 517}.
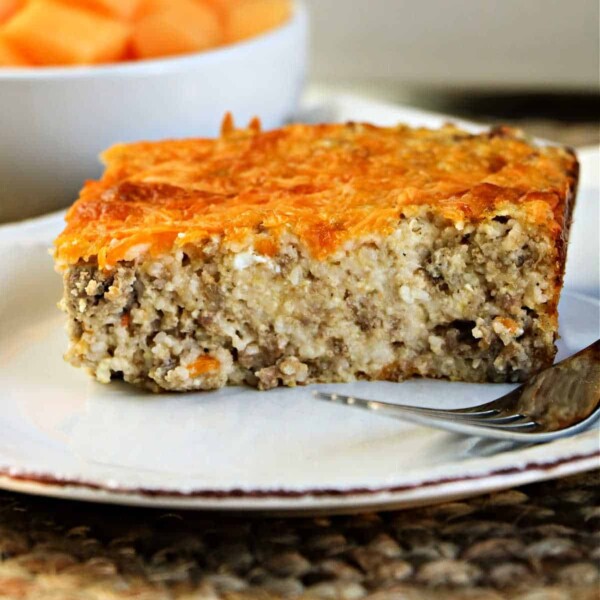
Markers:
{"x": 55, "y": 121}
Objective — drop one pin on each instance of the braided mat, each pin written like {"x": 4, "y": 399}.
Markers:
{"x": 538, "y": 542}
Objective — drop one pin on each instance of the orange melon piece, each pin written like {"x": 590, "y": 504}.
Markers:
{"x": 118, "y": 9}
{"x": 179, "y": 28}
{"x": 151, "y": 6}
{"x": 223, "y": 5}
{"x": 50, "y": 33}
{"x": 247, "y": 18}
{"x": 9, "y": 57}
{"x": 222, "y": 8}
{"x": 8, "y": 8}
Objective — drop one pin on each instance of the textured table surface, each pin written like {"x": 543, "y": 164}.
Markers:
{"x": 539, "y": 542}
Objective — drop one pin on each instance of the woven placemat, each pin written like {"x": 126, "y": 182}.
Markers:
{"x": 537, "y": 542}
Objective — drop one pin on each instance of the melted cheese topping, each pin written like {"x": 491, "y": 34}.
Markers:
{"x": 325, "y": 184}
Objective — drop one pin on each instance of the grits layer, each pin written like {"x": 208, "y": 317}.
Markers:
{"x": 435, "y": 298}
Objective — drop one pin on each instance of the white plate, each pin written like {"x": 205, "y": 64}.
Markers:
{"x": 63, "y": 435}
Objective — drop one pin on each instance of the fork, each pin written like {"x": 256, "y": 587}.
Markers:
{"x": 557, "y": 402}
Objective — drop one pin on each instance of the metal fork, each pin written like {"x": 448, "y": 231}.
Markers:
{"x": 557, "y": 402}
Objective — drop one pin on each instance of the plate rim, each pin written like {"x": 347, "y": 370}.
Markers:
{"x": 291, "y": 502}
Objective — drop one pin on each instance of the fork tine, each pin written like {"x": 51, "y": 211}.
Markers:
{"x": 493, "y": 405}
{"x": 519, "y": 426}
{"x": 511, "y": 419}
{"x": 514, "y": 422}
{"x": 503, "y": 419}
{"x": 466, "y": 414}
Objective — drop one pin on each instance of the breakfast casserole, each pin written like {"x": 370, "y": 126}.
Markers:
{"x": 319, "y": 253}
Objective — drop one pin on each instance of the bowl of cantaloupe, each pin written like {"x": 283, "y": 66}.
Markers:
{"x": 79, "y": 75}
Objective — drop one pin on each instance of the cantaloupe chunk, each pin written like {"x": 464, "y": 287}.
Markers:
{"x": 8, "y": 8}
{"x": 50, "y": 33}
{"x": 182, "y": 27}
{"x": 222, "y": 8}
{"x": 151, "y": 6}
{"x": 247, "y": 18}
{"x": 221, "y": 5}
{"x": 9, "y": 57}
{"x": 119, "y": 9}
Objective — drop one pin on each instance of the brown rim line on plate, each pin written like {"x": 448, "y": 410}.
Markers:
{"x": 118, "y": 495}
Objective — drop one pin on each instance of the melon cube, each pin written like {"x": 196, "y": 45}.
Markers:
{"x": 179, "y": 28}
{"x": 247, "y": 18}
{"x": 8, "y": 8}
{"x": 152, "y": 6}
{"x": 222, "y": 8}
{"x": 50, "y": 33}
{"x": 9, "y": 57}
{"x": 118, "y": 9}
